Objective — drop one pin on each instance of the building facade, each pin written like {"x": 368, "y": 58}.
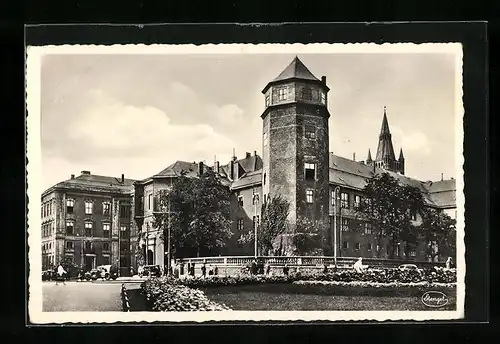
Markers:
{"x": 88, "y": 220}
{"x": 295, "y": 163}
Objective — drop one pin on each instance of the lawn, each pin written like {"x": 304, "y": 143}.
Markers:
{"x": 287, "y": 297}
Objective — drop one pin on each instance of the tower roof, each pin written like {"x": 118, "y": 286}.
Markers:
{"x": 369, "y": 155}
{"x": 401, "y": 156}
{"x": 385, "y": 150}
{"x": 296, "y": 69}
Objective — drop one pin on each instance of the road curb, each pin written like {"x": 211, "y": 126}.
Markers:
{"x": 125, "y": 299}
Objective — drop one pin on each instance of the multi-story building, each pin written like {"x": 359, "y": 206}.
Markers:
{"x": 93, "y": 219}
{"x": 88, "y": 220}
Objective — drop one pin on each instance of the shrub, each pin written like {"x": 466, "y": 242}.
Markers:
{"x": 164, "y": 296}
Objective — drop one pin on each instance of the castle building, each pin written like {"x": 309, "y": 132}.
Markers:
{"x": 295, "y": 163}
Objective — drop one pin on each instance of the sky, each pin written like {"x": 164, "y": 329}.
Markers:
{"x": 137, "y": 114}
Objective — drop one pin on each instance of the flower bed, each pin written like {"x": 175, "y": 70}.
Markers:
{"x": 164, "y": 296}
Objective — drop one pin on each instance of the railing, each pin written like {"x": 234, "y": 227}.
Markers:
{"x": 305, "y": 261}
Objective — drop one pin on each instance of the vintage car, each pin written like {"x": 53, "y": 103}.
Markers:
{"x": 406, "y": 267}
{"x": 93, "y": 274}
{"x": 150, "y": 270}
{"x": 107, "y": 272}
{"x": 48, "y": 275}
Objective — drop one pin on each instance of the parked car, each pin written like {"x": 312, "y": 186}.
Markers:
{"x": 150, "y": 270}
{"x": 407, "y": 267}
{"x": 107, "y": 272}
{"x": 48, "y": 275}
{"x": 92, "y": 275}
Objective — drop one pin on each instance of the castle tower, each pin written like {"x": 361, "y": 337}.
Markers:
{"x": 385, "y": 157}
{"x": 295, "y": 142}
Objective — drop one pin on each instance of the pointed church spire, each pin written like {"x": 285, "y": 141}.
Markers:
{"x": 401, "y": 156}
{"x": 385, "y": 124}
{"x": 385, "y": 150}
{"x": 369, "y": 159}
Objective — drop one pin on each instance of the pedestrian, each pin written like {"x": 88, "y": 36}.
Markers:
{"x": 216, "y": 270}
{"x": 358, "y": 266}
{"x": 253, "y": 268}
{"x": 325, "y": 268}
{"x": 210, "y": 270}
{"x": 286, "y": 269}
{"x": 203, "y": 270}
{"x": 192, "y": 269}
{"x": 60, "y": 274}
{"x": 268, "y": 268}
{"x": 448, "y": 263}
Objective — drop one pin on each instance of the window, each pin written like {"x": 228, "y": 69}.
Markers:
{"x": 323, "y": 97}
{"x": 309, "y": 196}
{"x": 310, "y": 171}
{"x": 344, "y": 200}
{"x": 88, "y": 229}
{"x": 414, "y": 215}
{"x": 368, "y": 228}
{"x": 70, "y": 206}
{"x": 88, "y": 207}
{"x": 240, "y": 200}
{"x": 105, "y": 246}
{"x": 255, "y": 199}
{"x": 69, "y": 245}
{"x": 413, "y": 253}
{"x": 369, "y": 247}
{"x": 267, "y": 100}
{"x": 256, "y": 221}
{"x": 105, "y": 260}
{"x": 265, "y": 139}
{"x": 357, "y": 246}
{"x": 106, "y": 209}
{"x": 150, "y": 201}
{"x": 378, "y": 247}
{"x": 345, "y": 224}
{"x": 282, "y": 94}
{"x": 123, "y": 232}
{"x": 70, "y": 227}
{"x": 239, "y": 224}
{"x": 125, "y": 211}
{"x": 306, "y": 93}
{"x": 345, "y": 245}
{"x": 310, "y": 132}
{"x": 106, "y": 227}
{"x": 333, "y": 198}
{"x": 398, "y": 250}
{"x": 88, "y": 245}
{"x": 357, "y": 201}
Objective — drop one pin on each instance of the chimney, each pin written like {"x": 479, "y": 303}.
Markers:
{"x": 255, "y": 153}
{"x": 217, "y": 167}
{"x": 441, "y": 176}
{"x": 362, "y": 162}
{"x": 323, "y": 80}
{"x": 86, "y": 173}
{"x": 72, "y": 176}
{"x": 123, "y": 178}
{"x": 248, "y": 155}
{"x": 200, "y": 168}
{"x": 236, "y": 170}
{"x": 354, "y": 156}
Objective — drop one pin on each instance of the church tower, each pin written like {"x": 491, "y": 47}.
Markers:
{"x": 385, "y": 152}
{"x": 295, "y": 142}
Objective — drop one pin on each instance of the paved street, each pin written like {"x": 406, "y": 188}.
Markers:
{"x": 83, "y": 296}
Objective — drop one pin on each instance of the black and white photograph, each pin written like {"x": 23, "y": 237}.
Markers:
{"x": 236, "y": 182}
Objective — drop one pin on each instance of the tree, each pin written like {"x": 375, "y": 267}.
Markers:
{"x": 273, "y": 224}
{"x": 307, "y": 237}
{"x": 389, "y": 207}
{"x": 438, "y": 231}
{"x": 197, "y": 210}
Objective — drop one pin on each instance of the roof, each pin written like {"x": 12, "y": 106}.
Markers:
{"x": 296, "y": 69}
{"x": 248, "y": 179}
{"x": 177, "y": 168}
{"x": 92, "y": 182}
{"x": 385, "y": 148}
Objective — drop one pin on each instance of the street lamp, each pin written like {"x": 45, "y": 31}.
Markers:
{"x": 337, "y": 201}
{"x": 255, "y": 225}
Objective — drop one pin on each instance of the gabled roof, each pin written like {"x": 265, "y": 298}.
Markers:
{"x": 92, "y": 182}
{"x": 177, "y": 168}
{"x": 295, "y": 70}
{"x": 248, "y": 179}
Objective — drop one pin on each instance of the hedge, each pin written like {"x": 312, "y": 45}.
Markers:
{"x": 377, "y": 276}
{"x": 163, "y": 296}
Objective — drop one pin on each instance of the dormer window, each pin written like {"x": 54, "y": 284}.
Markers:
{"x": 282, "y": 94}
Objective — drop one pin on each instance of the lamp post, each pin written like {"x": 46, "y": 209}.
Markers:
{"x": 255, "y": 225}
{"x": 335, "y": 192}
